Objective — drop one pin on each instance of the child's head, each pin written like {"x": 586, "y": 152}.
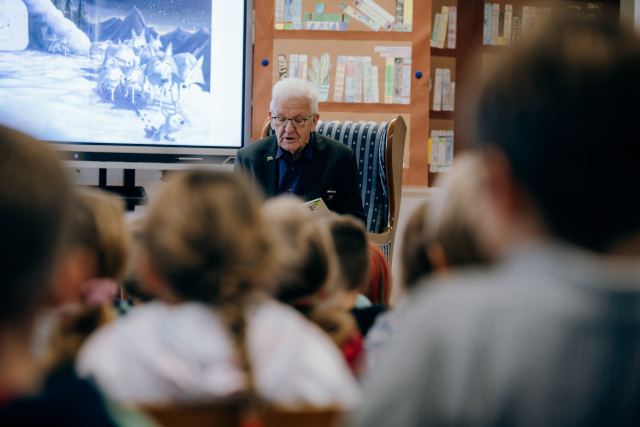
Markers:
{"x": 304, "y": 257}
{"x": 350, "y": 245}
{"x": 205, "y": 240}
{"x": 96, "y": 247}
{"x": 34, "y": 194}
{"x": 456, "y": 213}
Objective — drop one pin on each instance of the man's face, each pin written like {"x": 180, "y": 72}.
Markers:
{"x": 289, "y": 138}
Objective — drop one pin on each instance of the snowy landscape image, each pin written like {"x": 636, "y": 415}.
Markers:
{"x": 107, "y": 71}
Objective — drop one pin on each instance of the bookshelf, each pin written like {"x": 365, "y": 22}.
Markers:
{"x": 472, "y": 59}
{"x": 269, "y": 42}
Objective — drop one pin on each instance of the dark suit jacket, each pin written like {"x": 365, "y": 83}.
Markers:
{"x": 333, "y": 168}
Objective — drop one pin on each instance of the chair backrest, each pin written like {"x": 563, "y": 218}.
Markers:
{"x": 221, "y": 416}
{"x": 195, "y": 416}
{"x": 379, "y": 150}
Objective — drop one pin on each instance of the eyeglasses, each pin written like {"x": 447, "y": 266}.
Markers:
{"x": 296, "y": 123}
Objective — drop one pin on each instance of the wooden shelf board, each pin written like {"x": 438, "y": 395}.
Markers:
{"x": 361, "y": 107}
{"x": 341, "y": 35}
{"x": 451, "y": 53}
{"x": 441, "y": 115}
{"x": 495, "y": 49}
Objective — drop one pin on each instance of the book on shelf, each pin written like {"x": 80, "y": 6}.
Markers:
{"x": 293, "y": 65}
{"x": 495, "y": 20}
{"x": 516, "y": 22}
{"x": 453, "y": 16}
{"x": 442, "y": 29}
{"x": 452, "y": 95}
{"x": 486, "y": 29}
{"x": 448, "y": 157}
{"x": 367, "y": 82}
{"x": 406, "y": 80}
{"x": 433, "y": 155}
{"x": 436, "y": 28}
{"x": 437, "y": 90}
{"x": 338, "y": 87}
{"x": 442, "y": 149}
{"x": 374, "y": 82}
{"x": 533, "y": 18}
{"x": 508, "y": 18}
{"x": 349, "y": 85}
{"x": 388, "y": 81}
{"x": 357, "y": 80}
{"x": 397, "y": 80}
{"x": 446, "y": 89}
{"x": 525, "y": 21}
{"x": 501, "y": 29}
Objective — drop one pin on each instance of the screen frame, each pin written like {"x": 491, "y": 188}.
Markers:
{"x": 85, "y": 154}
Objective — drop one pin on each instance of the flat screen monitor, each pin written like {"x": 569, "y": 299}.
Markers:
{"x": 124, "y": 80}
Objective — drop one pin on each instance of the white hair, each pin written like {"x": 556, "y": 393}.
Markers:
{"x": 294, "y": 88}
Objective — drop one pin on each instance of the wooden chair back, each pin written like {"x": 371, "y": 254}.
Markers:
{"x": 230, "y": 416}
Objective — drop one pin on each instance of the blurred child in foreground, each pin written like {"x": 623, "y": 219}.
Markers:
{"x": 439, "y": 236}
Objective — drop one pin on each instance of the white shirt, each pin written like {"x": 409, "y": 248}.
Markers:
{"x": 160, "y": 353}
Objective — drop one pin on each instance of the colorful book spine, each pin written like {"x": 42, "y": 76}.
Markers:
{"x": 288, "y": 14}
{"x": 433, "y": 155}
{"x": 388, "y": 81}
{"x": 533, "y": 18}
{"x": 399, "y": 15}
{"x": 371, "y": 13}
{"x": 357, "y": 80}
{"x": 375, "y": 84}
{"x": 302, "y": 67}
{"x": 386, "y": 15}
{"x": 442, "y": 149}
{"x": 501, "y": 29}
{"x": 338, "y": 87}
{"x": 408, "y": 15}
{"x": 349, "y": 86}
{"x": 282, "y": 67}
{"x": 437, "y": 91}
{"x": 293, "y": 65}
{"x": 486, "y": 29}
{"x": 453, "y": 16}
{"x": 446, "y": 94}
{"x": 297, "y": 14}
{"x": 442, "y": 29}
{"x": 279, "y": 18}
{"x": 359, "y": 16}
{"x": 525, "y": 21}
{"x": 452, "y": 96}
{"x": 367, "y": 84}
{"x": 495, "y": 22}
{"x": 406, "y": 81}
{"x": 448, "y": 157}
{"x": 508, "y": 12}
{"x": 397, "y": 80}
{"x": 436, "y": 29}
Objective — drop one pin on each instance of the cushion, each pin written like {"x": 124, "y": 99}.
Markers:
{"x": 369, "y": 142}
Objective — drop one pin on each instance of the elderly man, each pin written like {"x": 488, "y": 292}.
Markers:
{"x": 297, "y": 160}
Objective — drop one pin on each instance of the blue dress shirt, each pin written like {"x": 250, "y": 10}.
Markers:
{"x": 293, "y": 175}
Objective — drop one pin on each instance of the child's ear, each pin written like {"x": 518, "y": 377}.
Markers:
{"x": 438, "y": 259}
{"x": 76, "y": 267}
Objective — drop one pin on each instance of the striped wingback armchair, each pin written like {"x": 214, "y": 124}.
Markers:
{"x": 379, "y": 150}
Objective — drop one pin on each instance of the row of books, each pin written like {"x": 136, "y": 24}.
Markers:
{"x": 506, "y": 28}
{"x": 356, "y": 79}
{"x": 444, "y": 90}
{"x": 289, "y": 16}
{"x": 448, "y": 15}
{"x": 441, "y": 151}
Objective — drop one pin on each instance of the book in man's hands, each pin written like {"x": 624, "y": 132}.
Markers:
{"x": 315, "y": 206}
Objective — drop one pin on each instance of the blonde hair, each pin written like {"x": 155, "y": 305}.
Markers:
{"x": 457, "y": 210}
{"x": 97, "y": 225}
{"x": 206, "y": 237}
{"x": 305, "y": 258}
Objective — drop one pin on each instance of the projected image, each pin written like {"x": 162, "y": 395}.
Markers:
{"x": 108, "y": 71}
